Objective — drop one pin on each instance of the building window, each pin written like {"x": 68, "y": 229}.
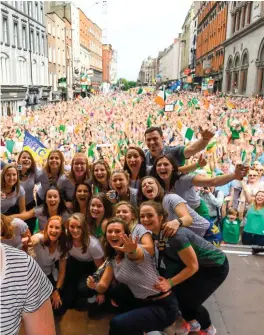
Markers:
{"x": 58, "y": 31}
{"x": 43, "y": 45}
{"x": 41, "y": 15}
{"x": 38, "y": 44}
{"x": 24, "y": 7}
{"x": 4, "y": 68}
{"x": 22, "y": 74}
{"x": 24, "y": 37}
{"x": 36, "y": 11}
{"x": 50, "y": 54}
{"x": 54, "y": 55}
{"x": 42, "y": 74}
{"x": 34, "y": 72}
{"x": 32, "y": 42}
{"x": 15, "y": 32}
{"x": 53, "y": 31}
{"x": 30, "y": 8}
{"x": 59, "y": 56}
{"x": 50, "y": 79}
{"x": 5, "y": 31}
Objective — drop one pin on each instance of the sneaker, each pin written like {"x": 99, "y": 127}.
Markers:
{"x": 209, "y": 331}
{"x": 256, "y": 249}
{"x": 183, "y": 329}
{"x": 195, "y": 326}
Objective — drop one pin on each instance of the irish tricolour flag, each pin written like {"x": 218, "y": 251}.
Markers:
{"x": 161, "y": 98}
{"x": 187, "y": 133}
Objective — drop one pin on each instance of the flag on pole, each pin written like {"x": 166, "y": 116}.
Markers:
{"x": 9, "y": 146}
{"x": 161, "y": 98}
{"x": 35, "y": 147}
{"x": 91, "y": 150}
{"x": 187, "y": 133}
{"x": 18, "y": 132}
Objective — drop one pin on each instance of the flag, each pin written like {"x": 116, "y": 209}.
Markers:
{"x": 206, "y": 104}
{"x": 149, "y": 121}
{"x": 62, "y": 127}
{"x": 187, "y": 133}
{"x": 230, "y": 105}
{"x": 195, "y": 101}
{"x": 161, "y": 112}
{"x": 91, "y": 150}
{"x": 18, "y": 132}
{"x": 243, "y": 156}
{"x": 161, "y": 98}
{"x": 211, "y": 147}
{"x": 140, "y": 90}
{"x": 10, "y": 146}
{"x": 35, "y": 147}
{"x": 178, "y": 106}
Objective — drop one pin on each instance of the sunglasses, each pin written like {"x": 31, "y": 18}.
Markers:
{"x": 253, "y": 175}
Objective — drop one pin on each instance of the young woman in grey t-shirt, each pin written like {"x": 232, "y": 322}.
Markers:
{"x": 133, "y": 265}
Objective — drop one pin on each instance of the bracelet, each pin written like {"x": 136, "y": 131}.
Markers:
{"x": 170, "y": 281}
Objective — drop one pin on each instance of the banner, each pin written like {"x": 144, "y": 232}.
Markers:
{"x": 35, "y": 147}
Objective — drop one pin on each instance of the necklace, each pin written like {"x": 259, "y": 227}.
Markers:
{"x": 21, "y": 175}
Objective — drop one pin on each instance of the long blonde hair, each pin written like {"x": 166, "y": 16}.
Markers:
{"x": 134, "y": 222}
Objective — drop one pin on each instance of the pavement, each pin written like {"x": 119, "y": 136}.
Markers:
{"x": 237, "y": 307}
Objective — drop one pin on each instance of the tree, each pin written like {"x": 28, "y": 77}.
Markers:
{"x": 125, "y": 85}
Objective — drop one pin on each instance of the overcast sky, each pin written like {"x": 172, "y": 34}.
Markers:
{"x": 137, "y": 28}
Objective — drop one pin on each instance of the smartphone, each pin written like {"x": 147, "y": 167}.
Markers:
{"x": 112, "y": 195}
{"x": 19, "y": 167}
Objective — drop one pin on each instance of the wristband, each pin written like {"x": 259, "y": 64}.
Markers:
{"x": 170, "y": 281}
{"x": 181, "y": 222}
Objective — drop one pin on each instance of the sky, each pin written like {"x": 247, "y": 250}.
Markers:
{"x": 137, "y": 28}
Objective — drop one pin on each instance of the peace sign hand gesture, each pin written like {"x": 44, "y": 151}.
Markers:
{"x": 129, "y": 245}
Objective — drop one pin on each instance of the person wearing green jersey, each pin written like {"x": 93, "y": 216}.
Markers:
{"x": 254, "y": 228}
{"x": 231, "y": 227}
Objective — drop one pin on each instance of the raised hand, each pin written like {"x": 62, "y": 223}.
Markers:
{"x": 202, "y": 161}
{"x": 206, "y": 134}
{"x": 129, "y": 245}
{"x": 241, "y": 171}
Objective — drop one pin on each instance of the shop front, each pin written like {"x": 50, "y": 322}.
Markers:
{"x": 12, "y": 100}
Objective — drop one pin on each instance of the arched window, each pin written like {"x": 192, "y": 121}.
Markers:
{"x": 21, "y": 71}
{"x": 260, "y": 66}
{"x": 4, "y": 68}
{"x": 235, "y": 85}
{"x": 244, "y": 71}
{"x": 229, "y": 73}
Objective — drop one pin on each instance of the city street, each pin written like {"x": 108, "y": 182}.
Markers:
{"x": 235, "y": 309}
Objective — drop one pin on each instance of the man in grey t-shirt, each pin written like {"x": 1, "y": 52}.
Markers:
{"x": 154, "y": 137}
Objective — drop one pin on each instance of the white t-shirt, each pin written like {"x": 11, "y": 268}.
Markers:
{"x": 24, "y": 288}
{"x": 20, "y": 227}
{"x": 94, "y": 251}
{"x": 43, "y": 257}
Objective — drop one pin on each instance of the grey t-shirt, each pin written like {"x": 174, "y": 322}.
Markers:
{"x": 207, "y": 254}
{"x": 139, "y": 277}
{"x": 177, "y": 152}
{"x": 185, "y": 189}
{"x": 139, "y": 231}
{"x": 42, "y": 218}
{"x": 199, "y": 225}
{"x": 67, "y": 187}
{"x": 12, "y": 200}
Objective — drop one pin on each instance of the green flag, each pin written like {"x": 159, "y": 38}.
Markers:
{"x": 91, "y": 150}
{"x": 243, "y": 156}
{"x": 10, "y": 146}
{"x": 36, "y": 229}
{"x": 189, "y": 134}
{"x": 161, "y": 112}
{"x": 62, "y": 127}
{"x": 140, "y": 90}
{"x": 18, "y": 132}
{"x": 149, "y": 121}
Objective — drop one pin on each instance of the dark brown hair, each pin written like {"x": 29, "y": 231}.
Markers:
{"x": 85, "y": 239}
{"x": 152, "y": 129}
{"x": 143, "y": 167}
{"x": 140, "y": 195}
{"x": 47, "y": 167}
{"x": 108, "y": 172}
{"x": 33, "y": 163}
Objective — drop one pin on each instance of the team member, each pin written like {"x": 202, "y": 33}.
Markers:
{"x": 101, "y": 174}
{"x": 189, "y": 263}
{"x": 83, "y": 194}
{"x": 133, "y": 266}
{"x": 135, "y": 165}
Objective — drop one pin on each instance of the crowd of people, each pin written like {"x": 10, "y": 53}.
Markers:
{"x": 128, "y": 210}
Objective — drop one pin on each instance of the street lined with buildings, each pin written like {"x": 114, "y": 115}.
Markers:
{"x": 220, "y": 48}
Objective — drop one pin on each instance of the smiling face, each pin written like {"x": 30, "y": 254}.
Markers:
{"x": 252, "y": 176}
{"x": 79, "y": 166}
{"x": 260, "y": 198}
{"x": 123, "y": 212}
{"x": 97, "y": 208}
{"x": 82, "y": 193}
{"x": 11, "y": 177}
{"x": 25, "y": 160}
{"x": 53, "y": 199}
{"x": 54, "y": 229}
{"x": 150, "y": 188}
{"x": 119, "y": 183}
{"x": 150, "y": 219}
{"x": 154, "y": 143}
{"x": 164, "y": 168}
{"x": 75, "y": 229}
{"x": 54, "y": 160}
{"x": 114, "y": 234}
{"x": 133, "y": 159}
{"x": 100, "y": 173}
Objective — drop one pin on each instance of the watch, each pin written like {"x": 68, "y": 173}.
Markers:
{"x": 181, "y": 222}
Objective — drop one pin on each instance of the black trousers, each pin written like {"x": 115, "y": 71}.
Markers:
{"x": 75, "y": 291}
{"x": 31, "y": 222}
{"x": 62, "y": 309}
{"x": 193, "y": 292}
